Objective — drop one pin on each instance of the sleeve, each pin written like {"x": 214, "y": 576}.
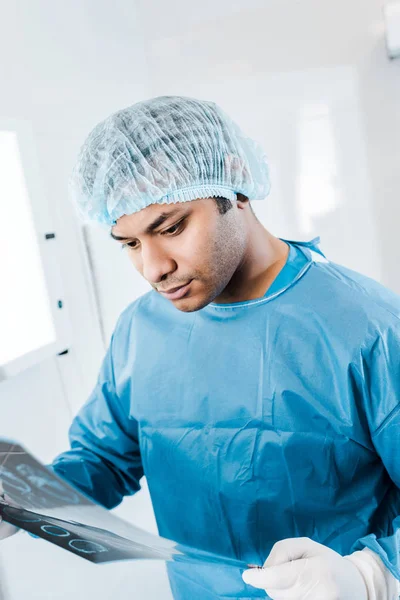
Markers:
{"x": 379, "y": 581}
{"x": 104, "y": 459}
{"x": 382, "y": 391}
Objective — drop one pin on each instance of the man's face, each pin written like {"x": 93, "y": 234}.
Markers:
{"x": 187, "y": 251}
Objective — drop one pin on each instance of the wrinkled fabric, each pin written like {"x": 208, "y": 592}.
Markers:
{"x": 253, "y": 422}
{"x": 161, "y": 151}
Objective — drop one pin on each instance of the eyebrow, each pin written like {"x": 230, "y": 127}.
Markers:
{"x": 150, "y": 228}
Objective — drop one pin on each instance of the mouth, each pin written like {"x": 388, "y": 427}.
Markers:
{"x": 177, "y": 292}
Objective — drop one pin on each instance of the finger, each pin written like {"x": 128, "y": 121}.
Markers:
{"x": 254, "y": 577}
{"x": 7, "y": 530}
{"x": 282, "y": 577}
{"x": 290, "y": 549}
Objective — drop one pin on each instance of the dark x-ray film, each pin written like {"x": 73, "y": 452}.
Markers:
{"x": 35, "y": 499}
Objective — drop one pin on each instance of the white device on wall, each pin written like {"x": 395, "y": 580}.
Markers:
{"x": 33, "y": 315}
{"x": 392, "y": 19}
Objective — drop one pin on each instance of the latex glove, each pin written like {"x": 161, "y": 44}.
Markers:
{"x": 301, "y": 569}
{"x": 380, "y": 582}
{"x": 6, "y": 529}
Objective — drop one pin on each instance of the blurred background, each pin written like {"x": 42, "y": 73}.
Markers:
{"x": 311, "y": 80}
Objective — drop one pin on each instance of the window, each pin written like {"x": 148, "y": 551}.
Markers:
{"x": 26, "y": 322}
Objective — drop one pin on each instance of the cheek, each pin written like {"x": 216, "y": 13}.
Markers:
{"x": 136, "y": 261}
{"x": 193, "y": 252}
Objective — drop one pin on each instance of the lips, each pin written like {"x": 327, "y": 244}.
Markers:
{"x": 172, "y": 290}
{"x": 177, "y": 292}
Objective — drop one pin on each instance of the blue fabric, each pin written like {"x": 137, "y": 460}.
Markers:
{"x": 161, "y": 151}
{"x": 253, "y": 422}
{"x": 295, "y": 262}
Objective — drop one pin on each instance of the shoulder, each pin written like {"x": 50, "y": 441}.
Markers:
{"x": 350, "y": 291}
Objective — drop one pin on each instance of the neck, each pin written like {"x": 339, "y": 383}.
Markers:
{"x": 264, "y": 258}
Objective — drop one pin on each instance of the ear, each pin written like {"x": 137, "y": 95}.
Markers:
{"x": 242, "y": 201}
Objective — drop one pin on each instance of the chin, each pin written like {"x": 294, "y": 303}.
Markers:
{"x": 191, "y": 304}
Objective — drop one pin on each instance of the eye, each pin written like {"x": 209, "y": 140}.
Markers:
{"x": 132, "y": 245}
{"x": 174, "y": 229}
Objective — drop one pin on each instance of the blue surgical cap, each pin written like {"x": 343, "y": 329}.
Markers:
{"x": 161, "y": 151}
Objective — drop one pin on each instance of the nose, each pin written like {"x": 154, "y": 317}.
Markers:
{"x": 156, "y": 263}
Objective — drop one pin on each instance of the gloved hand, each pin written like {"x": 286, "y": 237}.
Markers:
{"x": 301, "y": 569}
{"x": 6, "y": 529}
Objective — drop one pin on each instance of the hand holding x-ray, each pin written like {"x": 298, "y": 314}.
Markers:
{"x": 6, "y": 529}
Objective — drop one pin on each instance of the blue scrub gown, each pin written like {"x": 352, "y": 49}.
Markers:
{"x": 253, "y": 422}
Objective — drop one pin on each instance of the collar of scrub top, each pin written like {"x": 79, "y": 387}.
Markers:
{"x": 300, "y": 258}
{"x": 312, "y": 246}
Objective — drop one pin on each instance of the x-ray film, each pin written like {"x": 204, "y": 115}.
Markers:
{"x": 35, "y": 499}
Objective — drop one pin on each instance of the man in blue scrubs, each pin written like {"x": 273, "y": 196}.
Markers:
{"x": 257, "y": 385}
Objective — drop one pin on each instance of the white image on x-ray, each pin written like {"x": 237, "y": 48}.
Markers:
{"x": 35, "y": 488}
{"x": 54, "y": 530}
{"x": 87, "y": 547}
{"x": 47, "y": 484}
{"x": 14, "y": 483}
